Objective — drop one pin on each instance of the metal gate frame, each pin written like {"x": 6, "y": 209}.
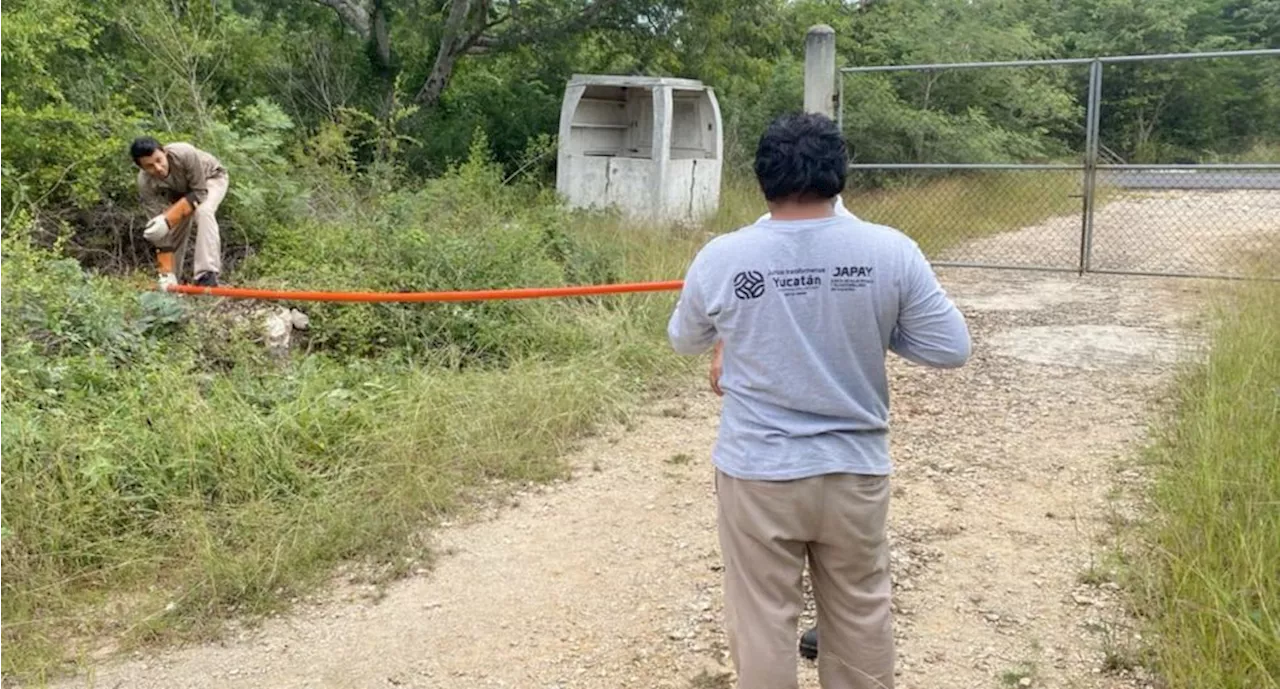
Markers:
{"x": 1088, "y": 167}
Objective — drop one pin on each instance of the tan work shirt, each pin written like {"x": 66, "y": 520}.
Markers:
{"x": 189, "y": 170}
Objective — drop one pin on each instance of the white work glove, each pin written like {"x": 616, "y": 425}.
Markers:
{"x": 156, "y": 230}
{"x": 168, "y": 280}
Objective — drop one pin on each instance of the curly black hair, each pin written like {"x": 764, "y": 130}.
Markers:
{"x": 801, "y": 157}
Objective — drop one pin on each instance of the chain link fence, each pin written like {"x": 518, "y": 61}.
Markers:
{"x": 1084, "y": 208}
{"x": 1027, "y": 219}
{"x": 1186, "y": 221}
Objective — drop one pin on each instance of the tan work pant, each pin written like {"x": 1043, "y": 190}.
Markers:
{"x": 767, "y": 529}
{"x": 208, "y": 258}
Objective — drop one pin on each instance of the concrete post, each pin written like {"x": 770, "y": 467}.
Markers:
{"x": 663, "y": 112}
{"x": 820, "y": 71}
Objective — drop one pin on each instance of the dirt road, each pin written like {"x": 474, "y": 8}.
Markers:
{"x": 1010, "y": 478}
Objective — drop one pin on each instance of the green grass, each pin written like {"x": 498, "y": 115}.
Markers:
{"x": 150, "y": 501}
{"x": 1095, "y": 574}
{"x": 160, "y": 478}
{"x": 252, "y": 500}
{"x": 1260, "y": 152}
{"x": 1013, "y": 677}
{"x": 1210, "y": 579}
{"x": 944, "y": 212}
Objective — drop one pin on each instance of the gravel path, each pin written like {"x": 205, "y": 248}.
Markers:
{"x": 1004, "y": 501}
{"x": 1197, "y": 232}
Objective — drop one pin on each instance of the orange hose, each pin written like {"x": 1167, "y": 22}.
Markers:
{"x": 474, "y": 295}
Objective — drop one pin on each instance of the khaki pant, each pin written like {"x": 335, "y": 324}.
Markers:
{"x": 208, "y": 258}
{"x": 767, "y": 530}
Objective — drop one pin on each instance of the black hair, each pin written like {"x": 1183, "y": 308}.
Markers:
{"x": 801, "y": 156}
{"x": 142, "y": 147}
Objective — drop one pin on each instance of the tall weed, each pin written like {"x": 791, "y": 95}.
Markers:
{"x": 1209, "y": 579}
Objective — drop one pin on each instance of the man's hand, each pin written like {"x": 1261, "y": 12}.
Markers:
{"x": 156, "y": 229}
{"x": 717, "y": 368}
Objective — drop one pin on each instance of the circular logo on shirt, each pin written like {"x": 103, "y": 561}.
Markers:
{"x": 748, "y": 284}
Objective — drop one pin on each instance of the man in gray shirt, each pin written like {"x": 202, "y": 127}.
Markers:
{"x": 805, "y": 304}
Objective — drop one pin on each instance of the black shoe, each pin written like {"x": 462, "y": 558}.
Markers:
{"x": 207, "y": 280}
{"x": 809, "y": 644}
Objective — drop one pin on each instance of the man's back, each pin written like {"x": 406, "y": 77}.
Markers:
{"x": 804, "y": 305}
{"x": 806, "y": 310}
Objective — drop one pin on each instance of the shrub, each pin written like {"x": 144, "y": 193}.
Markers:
{"x": 463, "y": 231}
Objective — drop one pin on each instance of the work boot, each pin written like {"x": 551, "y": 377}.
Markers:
{"x": 207, "y": 279}
{"x": 809, "y": 644}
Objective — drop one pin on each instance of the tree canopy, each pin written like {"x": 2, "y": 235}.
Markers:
{"x": 401, "y": 87}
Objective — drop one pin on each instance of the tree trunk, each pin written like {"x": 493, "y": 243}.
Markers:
{"x": 452, "y": 45}
{"x": 351, "y": 13}
{"x": 380, "y": 40}
{"x": 369, "y": 21}
{"x": 381, "y": 37}
{"x": 931, "y": 78}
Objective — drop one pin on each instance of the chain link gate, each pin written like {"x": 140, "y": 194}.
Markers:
{"x": 1090, "y": 212}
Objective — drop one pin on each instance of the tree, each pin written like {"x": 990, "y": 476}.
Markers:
{"x": 462, "y": 27}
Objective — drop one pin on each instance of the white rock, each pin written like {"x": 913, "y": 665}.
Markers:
{"x": 278, "y": 327}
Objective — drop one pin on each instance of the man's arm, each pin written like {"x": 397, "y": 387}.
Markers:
{"x": 691, "y": 330}
{"x": 717, "y": 368}
{"x": 930, "y": 331}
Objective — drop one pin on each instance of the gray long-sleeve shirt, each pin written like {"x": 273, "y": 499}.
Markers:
{"x": 189, "y": 171}
{"x": 807, "y": 310}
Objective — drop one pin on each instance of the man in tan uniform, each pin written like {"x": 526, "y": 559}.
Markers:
{"x": 181, "y": 185}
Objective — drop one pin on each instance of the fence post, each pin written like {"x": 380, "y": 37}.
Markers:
{"x": 1090, "y": 165}
{"x": 820, "y": 70}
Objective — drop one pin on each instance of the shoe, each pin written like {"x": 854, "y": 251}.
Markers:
{"x": 207, "y": 280}
{"x": 167, "y": 280}
{"x": 809, "y": 644}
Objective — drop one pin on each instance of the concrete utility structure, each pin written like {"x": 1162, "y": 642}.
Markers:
{"x": 652, "y": 147}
